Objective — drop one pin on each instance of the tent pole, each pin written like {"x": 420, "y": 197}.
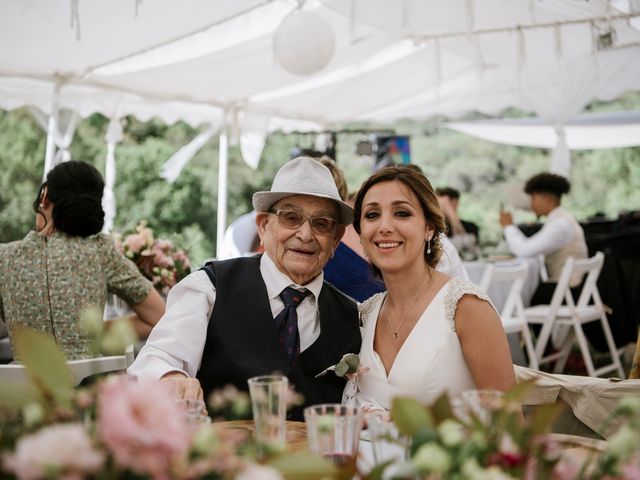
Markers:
{"x": 52, "y": 126}
{"x": 222, "y": 188}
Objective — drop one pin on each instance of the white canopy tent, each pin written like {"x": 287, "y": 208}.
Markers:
{"x": 589, "y": 131}
{"x": 213, "y": 62}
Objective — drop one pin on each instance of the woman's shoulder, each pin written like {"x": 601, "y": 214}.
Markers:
{"x": 458, "y": 288}
{"x": 366, "y": 308}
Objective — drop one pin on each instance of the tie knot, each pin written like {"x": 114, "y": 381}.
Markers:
{"x": 292, "y": 297}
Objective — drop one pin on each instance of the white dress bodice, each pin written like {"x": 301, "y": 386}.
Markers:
{"x": 429, "y": 362}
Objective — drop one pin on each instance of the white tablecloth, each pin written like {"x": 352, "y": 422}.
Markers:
{"x": 498, "y": 292}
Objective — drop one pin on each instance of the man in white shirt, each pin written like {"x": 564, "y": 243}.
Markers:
{"x": 219, "y": 327}
{"x": 561, "y": 236}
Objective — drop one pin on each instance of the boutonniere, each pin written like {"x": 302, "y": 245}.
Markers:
{"x": 348, "y": 367}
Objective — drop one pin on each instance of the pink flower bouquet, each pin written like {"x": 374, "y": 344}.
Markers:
{"x": 156, "y": 258}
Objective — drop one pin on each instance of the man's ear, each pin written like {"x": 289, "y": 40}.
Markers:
{"x": 262, "y": 218}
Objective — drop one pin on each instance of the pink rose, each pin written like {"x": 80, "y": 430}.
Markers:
{"x": 134, "y": 242}
{"x": 141, "y": 424}
{"x": 65, "y": 449}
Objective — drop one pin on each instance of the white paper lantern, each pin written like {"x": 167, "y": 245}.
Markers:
{"x": 304, "y": 43}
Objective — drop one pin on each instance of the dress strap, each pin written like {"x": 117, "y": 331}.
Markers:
{"x": 366, "y": 308}
{"x": 457, "y": 289}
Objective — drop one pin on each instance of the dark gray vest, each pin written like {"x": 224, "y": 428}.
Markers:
{"x": 242, "y": 340}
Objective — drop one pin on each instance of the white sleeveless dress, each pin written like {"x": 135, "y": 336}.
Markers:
{"x": 430, "y": 361}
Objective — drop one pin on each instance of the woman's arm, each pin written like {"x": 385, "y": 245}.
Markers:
{"x": 148, "y": 312}
{"x": 484, "y": 344}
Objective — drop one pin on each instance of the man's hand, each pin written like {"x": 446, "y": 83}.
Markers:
{"x": 181, "y": 386}
{"x": 505, "y": 218}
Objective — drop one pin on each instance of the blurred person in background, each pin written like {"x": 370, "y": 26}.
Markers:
{"x": 65, "y": 266}
{"x": 561, "y": 236}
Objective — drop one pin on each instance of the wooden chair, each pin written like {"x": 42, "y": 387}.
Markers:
{"x": 512, "y": 313}
{"x": 563, "y": 311}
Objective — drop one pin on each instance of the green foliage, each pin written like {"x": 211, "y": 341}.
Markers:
{"x": 186, "y": 211}
{"x": 46, "y": 366}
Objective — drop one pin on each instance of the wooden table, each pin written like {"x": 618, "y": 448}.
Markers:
{"x": 295, "y": 433}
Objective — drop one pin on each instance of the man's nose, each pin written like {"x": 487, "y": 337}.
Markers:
{"x": 305, "y": 232}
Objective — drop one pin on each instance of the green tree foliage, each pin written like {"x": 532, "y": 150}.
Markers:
{"x": 602, "y": 181}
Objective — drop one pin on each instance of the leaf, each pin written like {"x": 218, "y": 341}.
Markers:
{"x": 441, "y": 408}
{"x": 352, "y": 360}
{"x": 17, "y": 395}
{"x": 377, "y": 473}
{"x": 545, "y": 416}
{"x": 45, "y": 363}
{"x": 341, "y": 369}
{"x": 409, "y": 415}
{"x": 302, "y": 466}
{"x": 520, "y": 391}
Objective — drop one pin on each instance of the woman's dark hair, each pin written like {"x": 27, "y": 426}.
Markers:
{"x": 547, "y": 183}
{"x": 75, "y": 190}
{"x": 412, "y": 177}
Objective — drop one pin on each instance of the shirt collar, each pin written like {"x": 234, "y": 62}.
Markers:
{"x": 555, "y": 212}
{"x": 276, "y": 281}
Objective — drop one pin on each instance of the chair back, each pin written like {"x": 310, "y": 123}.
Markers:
{"x": 591, "y": 267}
{"x": 515, "y": 275}
{"x": 80, "y": 369}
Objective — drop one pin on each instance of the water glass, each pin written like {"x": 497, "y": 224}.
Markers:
{"x": 268, "y": 401}
{"x": 333, "y": 431}
{"x": 387, "y": 443}
{"x": 482, "y": 403}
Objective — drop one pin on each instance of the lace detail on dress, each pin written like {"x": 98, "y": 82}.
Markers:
{"x": 365, "y": 308}
{"x": 457, "y": 288}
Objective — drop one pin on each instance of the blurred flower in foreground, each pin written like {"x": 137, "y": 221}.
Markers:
{"x": 56, "y": 451}
{"x": 145, "y": 436}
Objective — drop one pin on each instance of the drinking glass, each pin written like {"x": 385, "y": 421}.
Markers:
{"x": 268, "y": 400}
{"x": 387, "y": 443}
{"x": 482, "y": 403}
{"x": 333, "y": 431}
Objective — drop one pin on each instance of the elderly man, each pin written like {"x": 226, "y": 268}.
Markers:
{"x": 253, "y": 316}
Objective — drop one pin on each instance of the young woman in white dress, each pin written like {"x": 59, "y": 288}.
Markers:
{"x": 429, "y": 332}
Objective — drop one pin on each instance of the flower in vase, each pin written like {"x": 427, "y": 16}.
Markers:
{"x": 142, "y": 426}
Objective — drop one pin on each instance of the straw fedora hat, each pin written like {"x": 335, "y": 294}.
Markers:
{"x": 303, "y": 176}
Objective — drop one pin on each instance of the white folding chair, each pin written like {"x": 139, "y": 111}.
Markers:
{"x": 512, "y": 314}
{"x": 80, "y": 369}
{"x": 563, "y": 311}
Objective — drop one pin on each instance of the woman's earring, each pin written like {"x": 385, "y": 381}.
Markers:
{"x": 429, "y": 246}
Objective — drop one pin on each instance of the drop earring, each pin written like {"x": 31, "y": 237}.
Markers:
{"x": 429, "y": 246}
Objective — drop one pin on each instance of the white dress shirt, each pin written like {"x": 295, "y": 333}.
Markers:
{"x": 557, "y": 232}
{"x": 177, "y": 342}
{"x": 450, "y": 261}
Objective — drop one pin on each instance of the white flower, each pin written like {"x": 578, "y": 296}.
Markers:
{"x": 451, "y": 432}
{"x": 623, "y": 443}
{"x": 629, "y": 406}
{"x": 432, "y": 458}
{"x": 63, "y": 449}
{"x": 472, "y": 470}
{"x": 259, "y": 472}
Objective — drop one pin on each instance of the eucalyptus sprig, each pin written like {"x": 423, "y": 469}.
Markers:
{"x": 347, "y": 365}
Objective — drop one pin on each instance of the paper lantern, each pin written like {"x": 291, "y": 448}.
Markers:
{"x": 304, "y": 43}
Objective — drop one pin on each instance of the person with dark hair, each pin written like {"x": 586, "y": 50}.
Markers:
{"x": 49, "y": 278}
{"x": 429, "y": 333}
{"x": 561, "y": 236}
{"x": 349, "y": 269}
{"x": 449, "y": 199}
